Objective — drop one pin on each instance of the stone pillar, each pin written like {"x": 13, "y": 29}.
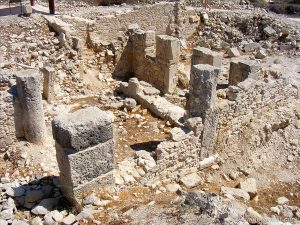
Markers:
{"x": 85, "y": 151}
{"x": 241, "y": 70}
{"x": 30, "y": 99}
{"x": 201, "y": 103}
{"x": 167, "y": 56}
{"x": 49, "y": 81}
{"x": 206, "y": 56}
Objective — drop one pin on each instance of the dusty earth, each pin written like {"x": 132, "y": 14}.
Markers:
{"x": 28, "y": 42}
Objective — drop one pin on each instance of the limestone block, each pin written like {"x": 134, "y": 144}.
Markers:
{"x": 241, "y": 70}
{"x": 269, "y": 31}
{"x": 77, "y": 43}
{"x": 203, "y": 83}
{"x": 83, "y": 128}
{"x": 167, "y": 48}
{"x": 30, "y": 98}
{"x": 206, "y": 56}
{"x": 233, "y": 52}
{"x": 251, "y": 47}
{"x": 49, "y": 81}
{"x": 81, "y": 167}
{"x": 209, "y": 132}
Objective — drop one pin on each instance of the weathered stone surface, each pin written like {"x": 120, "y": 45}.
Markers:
{"x": 233, "y": 52}
{"x": 282, "y": 200}
{"x": 45, "y": 206}
{"x": 261, "y": 54}
{"x": 203, "y": 85}
{"x": 83, "y": 128}
{"x": 249, "y": 185}
{"x": 269, "y": 31}
{"x": 251, "y": 47}
{"x": 235, "y": 192}
{"x": 191, "y": 180}
{"x": 81, "y": 167}
{"x": 30, "y": 98}
{"x": 201, "y": 103}
{"x": 49, "y": 81}
{"x": 168, "y": 48}
{"x": 206, "y": 56}
{"x": 179, "y": 134}
{"x": 241, "y": 70}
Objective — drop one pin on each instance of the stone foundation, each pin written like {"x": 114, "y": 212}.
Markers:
{"x": 154, "y": 59}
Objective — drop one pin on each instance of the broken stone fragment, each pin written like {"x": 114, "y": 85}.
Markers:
{"x": 179, "y": 134}
{"x": 233, "y": 52}
{"x": 191, "y": 180}
{"x": 207, "y": 162}
{"x": 282, "y": 200}
{"x": 269, "y": 31}
{"x": 251, "y": 47}
{"x": 145, "y": 160}
{"x": 235, "y": 193}
{"x": 261, "y": 54}
{"x": 249, "y": 185}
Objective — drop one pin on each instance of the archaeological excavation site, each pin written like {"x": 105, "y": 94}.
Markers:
{"x": 150, "y": 112}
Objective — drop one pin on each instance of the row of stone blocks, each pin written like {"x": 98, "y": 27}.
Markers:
{"x": 240, "y": 70}
{"x": 85, "y": 151}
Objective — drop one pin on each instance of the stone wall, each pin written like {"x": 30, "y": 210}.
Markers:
{"x": 250, "y": 97}
{"x": 151, "y": 58}
{"x": 7, "y": 122}
{"x": 160, "y": 17}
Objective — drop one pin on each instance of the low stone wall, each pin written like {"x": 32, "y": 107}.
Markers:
{"x": 161, "y": 17}
{"x": 7, "y": 122}
{"x": 251, "y": 97}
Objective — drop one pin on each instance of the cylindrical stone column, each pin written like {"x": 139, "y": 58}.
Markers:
{"x": 30, "y": 97}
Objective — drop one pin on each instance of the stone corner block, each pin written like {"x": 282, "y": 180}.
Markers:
{"x": 83, "y": 128}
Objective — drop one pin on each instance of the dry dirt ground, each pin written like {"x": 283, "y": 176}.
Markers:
{"x": 137, "y": 130}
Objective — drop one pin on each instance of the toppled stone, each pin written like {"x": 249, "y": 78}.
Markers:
{"x": 282, "y": 200}
{"x": 252, "y": 216}
{"x": 236, "y": 193}
{"x": 241, "y": 70}
{"x": 261, "y": 54}
{"x": 207, "y": 162}
{"x": 269, "y": 31}
{"x": 145, "y": 160}
{"x": 173, "y": 187}
{"x": 251, "y": 47}
{"x": 69, "y": 220}
{"x": 206, "y": 56}
{"x": 179, "y": 134}
{"x": 249, "y": 185}
{"x": 130, "y": 103}
{"x": 233, "y": 52}
{"x": 45, "y": 206}
{"x": 191, "y": 180}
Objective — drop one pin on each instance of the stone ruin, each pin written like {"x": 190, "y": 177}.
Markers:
{"x": 85, "y": 151}
{"x": 147, "y": 62}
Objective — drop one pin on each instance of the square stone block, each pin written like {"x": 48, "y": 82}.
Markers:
{"x": 81, "y": 167}
{"x": 167, "y": 48}
{"x": 83, "y": 128}
{"x": 206, "y": 56}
